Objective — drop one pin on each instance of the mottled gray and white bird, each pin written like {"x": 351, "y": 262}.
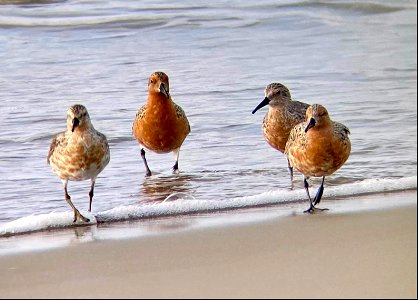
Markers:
{"x": 79, "y": 153}
{"x": 283, "y": 114}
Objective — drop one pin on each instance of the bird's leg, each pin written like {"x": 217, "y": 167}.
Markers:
{"x": 76, "y": 212}
{"x": 176, "y": 165}
{"x": 311, "y": 209}
{"x": 290, "y": 170}
{"x": 91, "y": 193}
{"x": 148, "y": 174}
{"x": 319, "y": 194}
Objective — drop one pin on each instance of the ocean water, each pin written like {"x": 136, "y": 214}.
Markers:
{"x": 358, "y": 58}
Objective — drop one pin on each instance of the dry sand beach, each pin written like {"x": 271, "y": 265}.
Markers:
{"x": 339, "y": 254}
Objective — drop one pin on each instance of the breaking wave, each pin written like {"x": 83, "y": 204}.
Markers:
{"x": 185, "y": 204}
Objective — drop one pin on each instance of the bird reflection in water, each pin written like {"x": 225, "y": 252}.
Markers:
{"x": 166, "y": 188}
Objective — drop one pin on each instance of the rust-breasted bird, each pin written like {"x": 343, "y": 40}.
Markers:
{"x": 79, "y": 153}
{"x": 160, "y": 125}
{"x": 317, "y": 148}
{"x": 283, "y": 114}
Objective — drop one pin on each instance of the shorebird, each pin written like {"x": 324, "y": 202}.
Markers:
{"x": 317, "y": 148}
{"x": 283, "y": 114}
{"x": 80, "y": 153}
{"x": 160, "y": 125}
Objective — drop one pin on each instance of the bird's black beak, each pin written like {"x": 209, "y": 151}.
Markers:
{"x": 311, "y": 124}
{"x": 263, "y": 103}
{"x": 76, "y": 122}
{"x": 163, "y": 90}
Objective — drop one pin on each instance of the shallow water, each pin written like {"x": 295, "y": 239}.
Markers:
{"x": 143, "y": 228}
{"x": 356, "y": 58}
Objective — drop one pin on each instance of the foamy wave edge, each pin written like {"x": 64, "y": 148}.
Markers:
{"x": 56, "y": 220}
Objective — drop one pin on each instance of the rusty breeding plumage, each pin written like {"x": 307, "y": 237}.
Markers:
{"x": 318, "y": 147}
{"x": 283, "y": 114}
{"x": 160, "y": 125}
{"x": 80, "y": 153}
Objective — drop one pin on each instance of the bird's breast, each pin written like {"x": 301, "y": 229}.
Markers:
{"x": 160, "y": 130}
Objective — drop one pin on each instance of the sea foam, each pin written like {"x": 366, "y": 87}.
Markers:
{"x": 185, "y": 205}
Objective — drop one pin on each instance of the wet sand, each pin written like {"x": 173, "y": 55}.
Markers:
{"x": 361, "y": 254}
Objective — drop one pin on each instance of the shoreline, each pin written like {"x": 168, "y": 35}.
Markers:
{"x": 344, "y": 253}
{"x": 58, "y": 237}
{"x": 282, "y": 199}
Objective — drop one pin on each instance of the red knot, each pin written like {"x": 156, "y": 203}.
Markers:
{"x": 317, "y": 148}
{"x": 80, "y": 153}
{"x": 160, "y": 125}
{"x": 283, "y": 114}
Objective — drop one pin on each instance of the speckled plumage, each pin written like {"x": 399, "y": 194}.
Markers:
{"x": 283, "y": 114}
{"x": 160, "y": 125}
{"x": 79, "y": 153}
{"x": 318, "y": 147}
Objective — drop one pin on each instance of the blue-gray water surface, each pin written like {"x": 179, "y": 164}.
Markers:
{"x": 358, "y": 58}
